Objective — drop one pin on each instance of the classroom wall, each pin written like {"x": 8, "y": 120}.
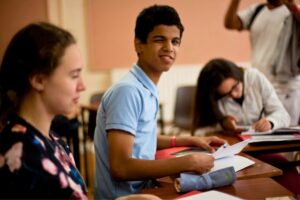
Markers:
{"x": 110, "y": 31}
{"x": 14, "y": 14}
{"x": 204, "y": 38}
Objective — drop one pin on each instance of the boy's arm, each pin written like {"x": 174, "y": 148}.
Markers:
{"x": 232, "y": 20}
{"x": 203, "y": 142}
{"x": 294, "y": 8}
{"x": 124, "y": 168}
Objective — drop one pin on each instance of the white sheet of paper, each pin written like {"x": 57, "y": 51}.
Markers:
{"x": 253, "y": 132}
{"x": 237, "y": 162}
{"x": 230, "y": 150}
{"x": 212, "y": 194}
{"x": 272, "y": 138}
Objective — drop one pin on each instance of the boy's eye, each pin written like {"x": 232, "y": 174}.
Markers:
{"x": 176, "y": 42}
{"x": 158, "y": 40}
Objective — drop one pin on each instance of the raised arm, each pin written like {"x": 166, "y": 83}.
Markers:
{"x": 232, "y": 20}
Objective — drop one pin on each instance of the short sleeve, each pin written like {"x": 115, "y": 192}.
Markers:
{"x": 246, "y": 15}
{"x": 123, "y": 107}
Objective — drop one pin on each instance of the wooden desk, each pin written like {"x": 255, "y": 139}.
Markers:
{"x": 258, "y": 188}
{"x": 259, "y": 170}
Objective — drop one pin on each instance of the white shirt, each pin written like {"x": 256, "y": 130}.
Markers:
{"x": 258, "y": 94}
{"x": 264, "y": 33}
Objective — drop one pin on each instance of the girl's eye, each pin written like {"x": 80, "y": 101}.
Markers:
{"x": 75, "y": 75}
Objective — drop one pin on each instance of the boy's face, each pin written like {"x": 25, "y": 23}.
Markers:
{"x": 159, "y": 53}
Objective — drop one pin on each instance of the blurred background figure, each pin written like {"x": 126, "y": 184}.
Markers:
{"x": 274, "y": 35}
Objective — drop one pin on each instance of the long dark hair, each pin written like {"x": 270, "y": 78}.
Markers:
{"x": 35, "y": 49}
{"x": 206, "y": 110}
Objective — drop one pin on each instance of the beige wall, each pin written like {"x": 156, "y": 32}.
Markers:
{"x": 14, "y": 14}
{"x": 204, "y": 37}
{"x": 110, "y": 25}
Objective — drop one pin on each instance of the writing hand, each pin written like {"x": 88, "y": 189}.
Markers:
{"x": 262, "y": 125}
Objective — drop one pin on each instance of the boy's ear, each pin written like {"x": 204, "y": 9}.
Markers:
{"x": 37, "y": 82}
{"x": 138, "y": 46}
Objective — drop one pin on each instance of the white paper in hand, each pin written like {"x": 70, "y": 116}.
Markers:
{"x": 230, "y": 150}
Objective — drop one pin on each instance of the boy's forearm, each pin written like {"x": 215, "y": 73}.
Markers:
{"x": 137, "y": 169}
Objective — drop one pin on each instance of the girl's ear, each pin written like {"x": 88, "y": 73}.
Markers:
{"x": 138, "y": 46}
{"x": 37, "y": 82}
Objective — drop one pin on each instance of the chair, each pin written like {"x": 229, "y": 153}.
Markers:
{"x": 88, "y": 122}
{"x": 95, "y": 100}
{"x": 184, "y": 108}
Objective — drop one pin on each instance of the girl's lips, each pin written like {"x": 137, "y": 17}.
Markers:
{"x": 76, "y": 100}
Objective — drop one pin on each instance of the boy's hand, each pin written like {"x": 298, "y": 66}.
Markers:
{"x": 208, "y": 142}
{"x": 200, "y": 162}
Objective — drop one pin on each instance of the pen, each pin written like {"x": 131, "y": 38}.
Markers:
{"x": 261, "y": 113}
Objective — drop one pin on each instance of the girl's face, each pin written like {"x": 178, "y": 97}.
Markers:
{"x": 61, "y": 90}
{"x": 231, "y": 87}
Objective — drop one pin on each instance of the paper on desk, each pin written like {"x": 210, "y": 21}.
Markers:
{"x": 236, "y": 161}
{"x": 230, "y": 150}
{"x": 212, "y": 194}
{"x": 226, "y": 156}
{"x": 272, "y": 138}
{"x": 279, "y": 131}
{"x": 253, "y": 132}
{"x": 243, "y": 127}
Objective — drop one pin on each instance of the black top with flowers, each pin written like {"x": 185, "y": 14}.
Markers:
{"x": 32, "y": 166}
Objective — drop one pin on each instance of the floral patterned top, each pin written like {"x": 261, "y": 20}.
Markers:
{"x": 32, "y": 166}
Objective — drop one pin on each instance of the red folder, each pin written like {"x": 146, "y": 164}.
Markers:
{"x": 169, "y": 152}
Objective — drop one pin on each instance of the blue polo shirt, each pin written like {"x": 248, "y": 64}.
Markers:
{"x": 130, "y": 105}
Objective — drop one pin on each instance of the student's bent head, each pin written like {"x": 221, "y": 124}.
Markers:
{"x": 154, "y": 16}
{"x": 215, "y": 72}
{"x": 210, "y": 88}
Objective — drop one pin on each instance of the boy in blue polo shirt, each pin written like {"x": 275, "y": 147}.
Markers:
{"x": 125, "y": 136}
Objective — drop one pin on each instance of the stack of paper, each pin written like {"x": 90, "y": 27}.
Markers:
{"x": 279, "y": 131}
{"x": 276, "y": 135}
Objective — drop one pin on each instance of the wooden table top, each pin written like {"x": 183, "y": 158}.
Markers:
{"x": 259, "y": 170}
{"x": 257, "y": 188}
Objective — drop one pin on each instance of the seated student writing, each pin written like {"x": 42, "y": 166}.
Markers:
{"x": 232, "y": 96}
{"x": 125, "y": 137}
